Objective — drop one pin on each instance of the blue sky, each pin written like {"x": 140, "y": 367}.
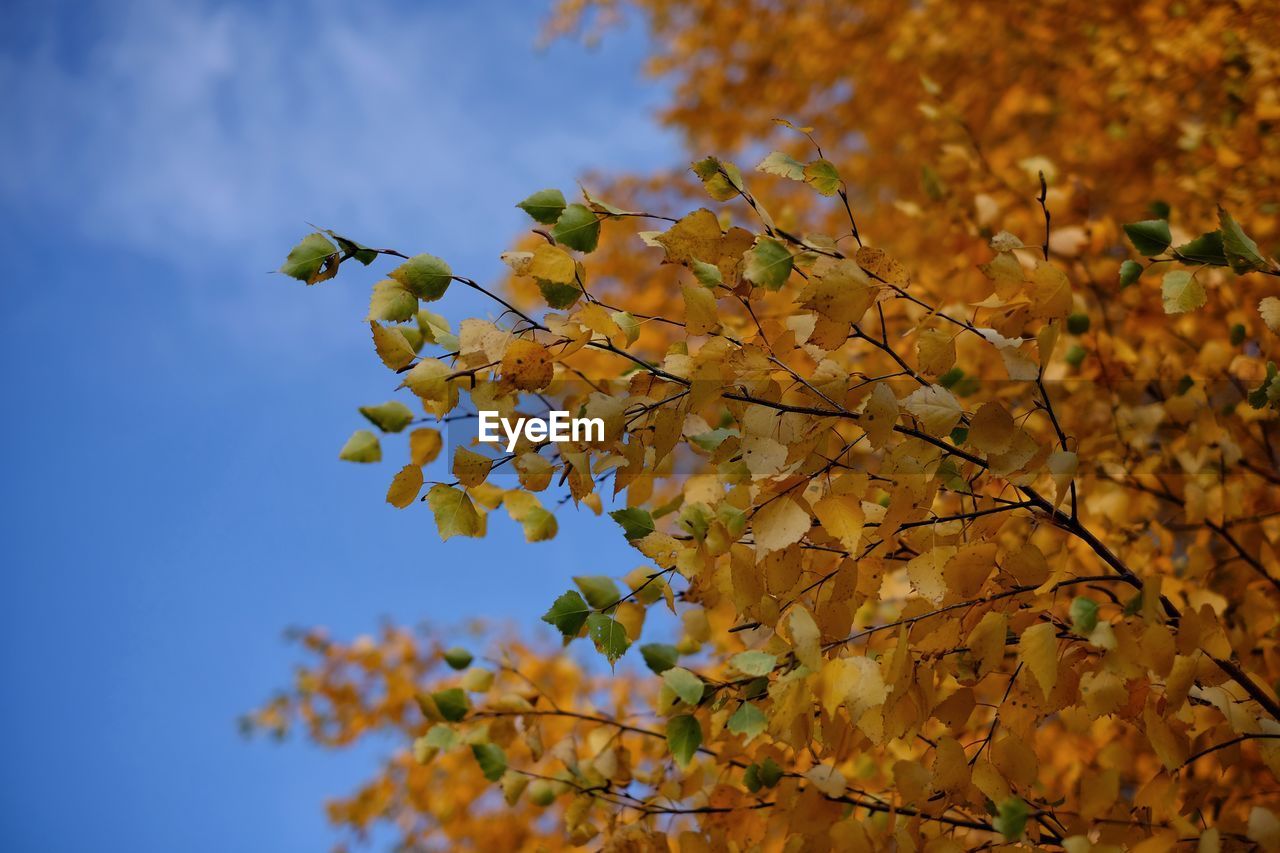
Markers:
{"x": 171, "y": 497}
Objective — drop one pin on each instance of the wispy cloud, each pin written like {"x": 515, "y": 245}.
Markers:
{"x": 184, "y": 131}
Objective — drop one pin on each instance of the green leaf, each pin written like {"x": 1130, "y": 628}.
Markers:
{"x": 753, "y": 663}
{"x": 722, "y": 180}
{"x": 708, "y": 275}
{"x": 1263, "y": 394}
{"x": 559, "y": 296}
{"x": 695, "y": 519}
{"x": 684, "y": 684}
{"x": 609, "y": 636}
{"x": 1078, "y": 324}
{"x": 733, "y": 519}
{"x": 628, "y": 323}
{"x": 359, "y": 251}
{"x": 950, "y": 378}
{"x": 544, "y": 206}
{"x": 542, "y": 793}
{"x": 458, "y": 658}
{"x": 1150, "y": 237}
{"x": 782, "y": 165}
{"x": 1130, "y": 271}
{"x": 392, "y": 302}
{"x": 1242, "y": 253}
{"x": 539, "y": 525}
{"x": 1181, "y": 292}
{"x": 1084, "y": 615}
{"x": 684, "y": 736}
{"x": 491, "y": 758}
{"x": 602, "y": 206}
{"x": 768, "y": 264}
{"x": 392, "y": 416}
{"x": 659, "y": 657}
{"x": 1011, "y": 818}
{"x": 454, "y": 512}
{"x": 1205, "y": 249}
{"x": 578, "y": 228}
{"x": 636, "y": 523}
{"x": 306, "y": 259}
{"x": 766, "y": 774}
{"x": 600, "y": 590}
{"x": 452, "y": 703}
{"x": 709, "y": 441}
{"x": 426, "y": 276}
{"x": 361, "y": 447}
{"x": 441, "y": 736}
{"x": 436, "y": 329}
{"x": 748, "y": 720}
{"x": 770, "y": 773}
{"x": 933, "y": 185}
{"x": 567, "y": 614}
{"x": 822, "y": 176}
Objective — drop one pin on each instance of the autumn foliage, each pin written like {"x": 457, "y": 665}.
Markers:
{"x": 947, "y": 429}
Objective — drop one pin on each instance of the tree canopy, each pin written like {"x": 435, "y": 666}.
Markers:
{"x": 945, "y": 424}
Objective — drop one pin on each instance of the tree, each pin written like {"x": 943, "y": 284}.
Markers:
{"x": 971, "y": 531}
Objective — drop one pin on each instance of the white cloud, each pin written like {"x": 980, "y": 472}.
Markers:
{"x": 194, "y": 133}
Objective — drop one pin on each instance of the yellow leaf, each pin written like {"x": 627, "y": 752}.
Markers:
{"x": 405, "y": 486}
{"x": 986, "y": 641}
{"x": 950, "y": 766}
{"x": 778, "y": 524}
{"x": 392, "y": 347}
{"x": 1170, "y": 747}
{"x": 1062, "y": 465}
{"x": 1038, "y": 651}
{"x": 1103, "y": 693}
{"x": 424, "y": 445}
{"x": 839, "y": 291}
{"x": 991, "y": 429}
{"x": 600, "y": 321}
{"x": 1269, "y": 308}
{"x": 805, "y": 638}
{"x": 553, "y": 264}
{"x": 880, "y": 415}
{"x": 827, "y": 779}
{"x": 700, "y": 316}
{"x": 935, "y": 352}
{"x": 429, "y": 380}
{"x": 1181, "y": 292}
{"x": 1046, "y": 342}
{"x": 911, "y": 779}
{"x": 925, "y": 572}
{"x": 764, "y": 456}
{"x": 877, "y": 263}
{"x": 968, "y": 570}
{"x": 1050, "y": 292}
{"x": 469, "y": 467}
{"x": 1027, "y": 565}
{"x": 534, "y": 471}
{"x": 454, "y": 512}
{"x": 936, "y": 408}
{"x": 1015, "y": 760}
{"x": 1264, "y": 828}
{"x": 527, "y": 365}
{"x": 842, "y": 517}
